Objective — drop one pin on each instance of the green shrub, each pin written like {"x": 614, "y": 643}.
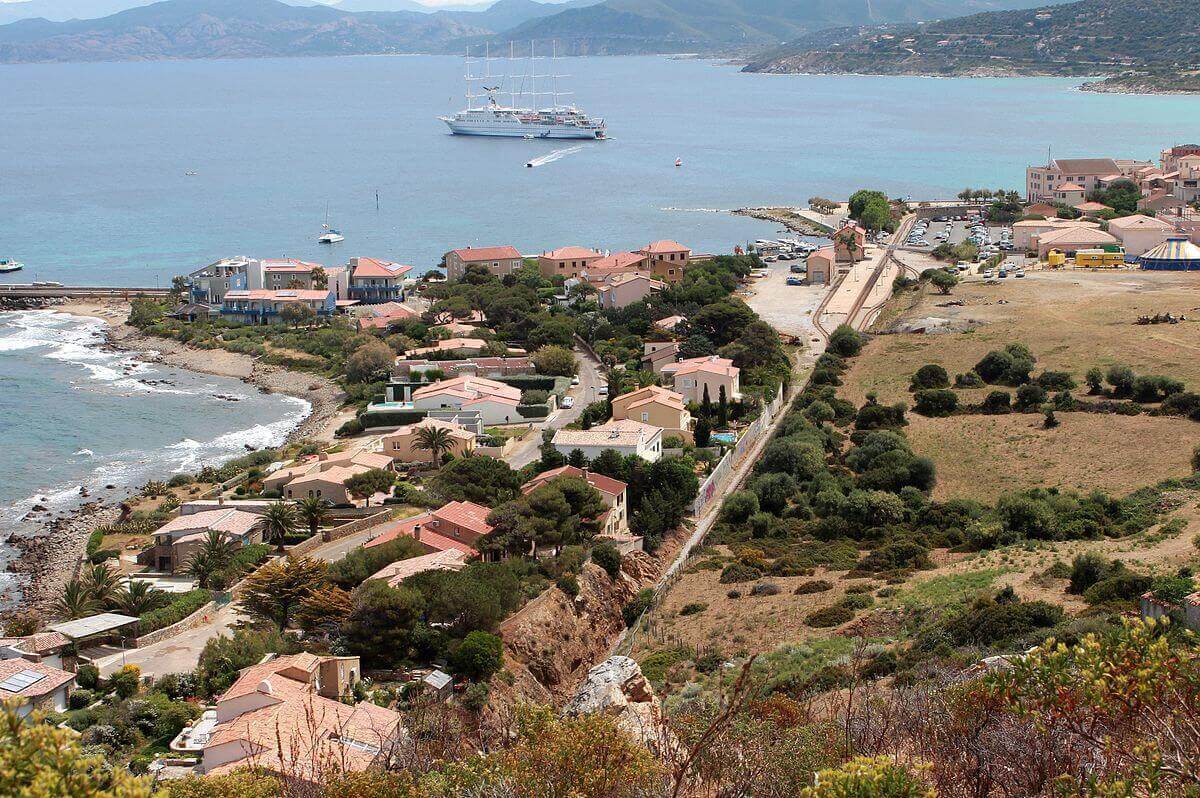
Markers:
{"x": 857, "y": 601}
{"x": 929, "y": 376}
{"x": 181, "y": 606}
{"x": 693, "y": 608}
{"x": 1120, "y": 587}
{"x": 845, "y": 341}
{"x": 1030, "y": 396}
{"x": 813, "y": 586}
{"x": 477, "y": 657}
{"x": 638, "y": 605}
{"x": 1055, "y": 381}
{"x": 607, "y": 557}
{"x": 1086, "y": 570}
{"x": 936, "y": 402}
{"x": 833, "y": 615}
{"x": 739, "y": 572}
{"x": 568, "y": 584}
{"x": 87, "y": 676}
{"x": 968, "y": 380}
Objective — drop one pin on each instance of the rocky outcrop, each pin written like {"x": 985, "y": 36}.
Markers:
{"x": 616, "y": 688}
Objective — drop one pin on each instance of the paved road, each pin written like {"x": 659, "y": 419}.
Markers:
{"x": 584, "y": 393}
{"x": 180, "y": 654}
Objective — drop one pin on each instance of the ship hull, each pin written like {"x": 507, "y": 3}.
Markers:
{"x": 523, "y": 131}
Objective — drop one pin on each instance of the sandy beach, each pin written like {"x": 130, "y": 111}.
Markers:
{"x": 50, "y": 552}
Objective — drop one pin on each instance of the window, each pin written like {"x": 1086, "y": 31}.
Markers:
{"x": 645, "y": 416}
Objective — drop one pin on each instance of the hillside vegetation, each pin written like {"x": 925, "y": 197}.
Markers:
{"x": 1156, "y": 41}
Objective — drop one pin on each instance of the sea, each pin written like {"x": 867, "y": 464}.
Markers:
{"x": 124, "y": 174}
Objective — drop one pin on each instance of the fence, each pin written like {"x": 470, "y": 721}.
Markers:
{"x": 341, "y": 531}
{"x": 763, "y": 425}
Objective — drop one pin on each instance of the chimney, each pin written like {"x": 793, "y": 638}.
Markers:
{"x": 323, "y": 456}
{"x": 417, "y": 532}
{"x": 220, "y": 499}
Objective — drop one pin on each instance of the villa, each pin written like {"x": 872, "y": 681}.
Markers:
{"x": 360, "y": 458}
{"x": 657, "y": 354}
{"x": 459, "y": 347}
{"x": 264, "y": 306}
{"x": 445, "y": 560}
{"x": 286, "y": 715}
{"x": 699, "y": 376}
{"x": 34, "y": 686}
{"x": 1081, "y": 174}
{"x": 177, "y": 541}
{"x": 380, "y": 317}
{"x": 625, "y": 289}
{"x": 567, "y": 261}
{"x": 653, "y": 405}
{"x": 495, "y": 402}
{"x": 403, "y": 445}
{"x": 374, "y": 282}
{"x": 457, "y": 525}
{"x": 490, "y": 367}
{"x": 623, "y": 436}
{"x": 615, "y": 522}
{"x": 667, "y": 260}
{"x": 497, "y": 260}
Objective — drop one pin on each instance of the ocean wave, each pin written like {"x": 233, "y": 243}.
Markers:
{"x": 84, "y": 453}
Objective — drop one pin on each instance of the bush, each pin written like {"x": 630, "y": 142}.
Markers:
{"x": 867, "y": 778}
{"x": 1008, "y": 366}
{"x": 351, "y": 427}
{"x": 968, "y": 380}
{"x": 813, "y": 586}
{"x": 845, "y": 341}
{"x": 997, "y": 403}
{"x": 125, "y": 681}
{"x": 181, "y": 606}
{"x": 765, "y": 589}
{"x": 1086, "y": 570}
{"x": 1121, "y": 378}
{"x": 1122, "y": 585}
{"x": 475, "y": 697}
{"x": 607, "y": 557}
{"x": 477, "y": 657}
{"x": 739, "y": 506}
{"x": 857, "y": 601}
{"x": 693, "y": 608}
{"x": 834, "y": 615}
{"x": 362, "y": 563}
{"x": 81, "y": 698}
{"x": 569, "y": 584}
{"x": 1030, "y": 396}
{"x": 1055, "y": 380}
{"x": 638, "y": 605}
{"x": 739, "y": 572}
{"x": 936, "y": 402}
{"x": 929, "y": 376}
{"x": 87, "y": 676}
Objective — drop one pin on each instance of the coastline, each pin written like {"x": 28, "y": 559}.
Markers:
{"x": 47, "y": 554}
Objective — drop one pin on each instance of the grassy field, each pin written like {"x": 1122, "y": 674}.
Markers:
{"x": 1071, "y": 322}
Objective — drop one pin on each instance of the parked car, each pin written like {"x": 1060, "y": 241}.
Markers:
{"x": 795, "y": 281}
{"x": 567, "y": 402}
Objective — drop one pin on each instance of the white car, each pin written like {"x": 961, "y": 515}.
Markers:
{"x": 567, "y": 402}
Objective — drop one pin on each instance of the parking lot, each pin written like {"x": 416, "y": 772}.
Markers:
{"x": 929, "y": 233}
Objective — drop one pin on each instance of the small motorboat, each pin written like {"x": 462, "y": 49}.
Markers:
{"x": 190, "y": 173}
{"x": 330, "y": 236}
{"x": 679, "y": 162}
{"x": 529, "y": 164}
{"x": 9, "y": 265}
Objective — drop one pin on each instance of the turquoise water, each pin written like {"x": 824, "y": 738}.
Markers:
{"x": 93, "y": 156}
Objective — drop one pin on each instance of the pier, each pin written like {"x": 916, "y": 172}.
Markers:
{"x": 43, "y": 291}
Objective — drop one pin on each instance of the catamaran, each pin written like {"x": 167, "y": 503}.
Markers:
{"x": 557, "y": 121}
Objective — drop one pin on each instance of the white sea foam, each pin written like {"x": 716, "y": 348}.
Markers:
{"x": 551, "y": 157}
{"x": 84, "y": 453}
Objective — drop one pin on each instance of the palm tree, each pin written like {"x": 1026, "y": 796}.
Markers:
{"x": 102, "y": 582}
{"x": 214, "y": 556}
{"x": 313, "y": 512}
{"x": 139, "y": 597}
{"x": 436, "y": 440}
{"x": 278, "y": 522}
{"x": 76, "y": 601}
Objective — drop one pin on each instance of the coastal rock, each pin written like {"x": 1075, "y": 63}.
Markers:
{"x": 618, "y": 689}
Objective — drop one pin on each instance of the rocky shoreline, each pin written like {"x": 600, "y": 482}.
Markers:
{"x": 49, "y": 551}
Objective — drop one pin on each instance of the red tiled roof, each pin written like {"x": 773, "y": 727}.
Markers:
{"x": 52, "y": 678}
{"x": 467, "y": 515}
{"x": 477, "y": 254}
{"x": 370, "y": 267}
{"x": 289, "y": 265}
{"x": 613, "y": 487}
{"x": 659, "y": 247}
{"x": 1069, "y": 187}
{"x": 395, "y": 529}
{"x": 567, "y": 253}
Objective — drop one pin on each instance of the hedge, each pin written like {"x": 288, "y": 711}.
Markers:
{"x": 251, "y": 555}
{"x": 180, "y": 607}
{"x": 531, "y": 381}
{"x": 533, "y": 411}
{"x": 390, "y": 418}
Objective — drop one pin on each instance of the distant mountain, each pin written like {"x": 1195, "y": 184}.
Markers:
{"x": 228, "y": 29}
{"x": 1143, "y": 41}
{"x": 631, "y": 26}
{"x": 59, "y": 10}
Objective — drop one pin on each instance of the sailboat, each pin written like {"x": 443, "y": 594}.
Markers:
{"x": 328, "y": 234}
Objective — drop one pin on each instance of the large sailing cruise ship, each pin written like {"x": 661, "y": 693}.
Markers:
{"x": 557, "y": 121}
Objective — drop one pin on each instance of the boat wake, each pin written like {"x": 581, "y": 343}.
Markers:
{"x": 551, "y": 157}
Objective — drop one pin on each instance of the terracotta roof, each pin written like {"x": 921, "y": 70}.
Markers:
{"x": 569, "y": 253}
{"x": 379, "y": 316}
{"x": 479, "y": 254}
{"x": 617, "y": 261}
{"x": 279, "y": 295}
{"x": 467, "y": 515}
{"x": 606, "y": 485}
{"x": 469, "y": 387}
{"x": 289, "y": 265}
{"x": 825, "y": 253}
{"x": 235, "y": 522}
{"x": 1084, "y": 235}
{"x": 1041, "y": 209}
{"x": 1069, "y": 187}
{"x": 335, "y": 475}
{"x": 628, "y": 277}
{"x": 670, "y": 322}
{"x": 43, "y": 642}
{"x": 455, "y": 430}
{"x": 660, "y": 247}
{"x": 1087, "y": 166}
{"x": 1091, "y": 206}
{"x": 711, "y": 364}
{"x": 402, "y": 528}
{"x": 443, "y": 560}
{"x": 650, "y": 394}
{"x": 450, "y": 345}
{"x": 48, "y": 679}
{"x": 249, "y": 679}
{"x": 1139, "y": 222}
{"x": 370, "y": 267}
{"x": 623, "y": 432}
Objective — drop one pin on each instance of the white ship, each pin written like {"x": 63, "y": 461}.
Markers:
{"x": 517, "y": 120}
{"x": 8, "y": 265}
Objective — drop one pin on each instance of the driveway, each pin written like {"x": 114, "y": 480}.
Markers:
{"x": 181, "y": 653}
{"x": 584, "y": 394}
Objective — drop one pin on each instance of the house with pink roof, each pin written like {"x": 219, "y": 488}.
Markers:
{"x": 495, "y": 402}
{"x": 34, "y": 686}
{"x": 667, "y": 260}
{"x": 567, "y": 262}
{"x": 625, "y": 289}
{"x": 380, "y": 317}
{"x": 694, "y": 377}
{"x": 265, "y": 306}
{"x": 497, "y": 260}
{"x": 176, "y": 541}
{"x": 374, "y": 281}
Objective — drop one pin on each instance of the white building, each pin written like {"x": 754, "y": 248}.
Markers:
{"x": 624, "y": 437}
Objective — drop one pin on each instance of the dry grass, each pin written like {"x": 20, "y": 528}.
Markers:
{"x": 1071, "y": 322}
